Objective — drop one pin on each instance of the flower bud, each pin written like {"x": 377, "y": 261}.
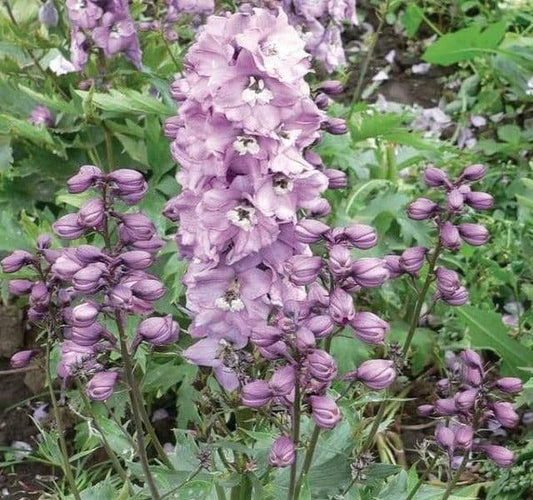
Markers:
{"x": 172, "y": 126}
{"x": 377, "y": 374}
{"x": 319, "y": 207}
{"x": 331, "y": 87}
{"x": 82, "y": 315}
{"x": 85, "y": 336}
{"x": 341, "y": 306}
{"x": 48, "y": 15}
{"x": 153, "y": 245}
{"x": 66, "y": 265}
{"x": 282, "y": 453}
{"x": 340, "y": 261}
{"x": 479, "y": 200}
{"x": 393, "y": 266}
{"x": 322, "y": 101}
{"x": 445, "y": 407}
{"x": 282, "y": 381}
{"x": 136, "y": 227}
{"x": 499, "y": 455}
{"x": 335, "y": 126}
{"x": 129, "y": 185}
{"x": 68, "y": 227}
{"x": 91, "y": 214}
{"x": 101, "y": 386}
{"x": 302, "y": 269}
{"x": 464, "y": 437}
{"x": 422, "y": 209}
{"x": 412, "y": 259}
{"x": 44, "y": 241}
{"x": 84, "y": 179}
{"x": 305, "y": 340}
{"x": 41, "y": 116}
{"x": 369, "y": 328}
{"x": 435, "y": 177}
{"x": 324, "y": 411}
{"x": 276, "y": 350}
{"x": 473, "y": 173}
{"x": 425, "y": 410}
{"x": 321, "y": 365}
{"x": 121, "y": 297}
{"x": 447, "y": 280}
{"x": 454, "y": 201}
{"x": 472, "y": 359}
{"x": 321, "y": 325}
{"x": 465, "y": 400}
{"x": 510, "y": 385}
{"x": 19, "y": 287}
{"x": 136, "y": 259}
{"x": 88, "y": 279}
{"x": 337, "y": 178}
{"x": 265, "y": 335}
{"x": 256, "y": 394}
{"x": 505, "y": 414}
{"x": 158, "y": 330}
{"x": 449, "y": 236}
{"x": 310, "y": 230}
{"x": 148, "y": 289}
{"x": 369, "y": 272}
{"x": 15, "y": 261}
{"x": 445, "y": 437}
{"x": 473, "y": 234}
{"x": 22, "y": 359}
{"x": 361, "y": 236}
{"x": 40, "y": 296}
{"x": 458, "y": 297}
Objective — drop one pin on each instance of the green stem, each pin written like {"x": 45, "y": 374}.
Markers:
{"x": 456, "y": 476}
{"x": 423, "y": 477}
{"x": 135, "y": 407}
{"x": 293, "y": 492}
{"x": 375, "y": 426}
{"x": 308, "y": 457}
{"x": 67, "y": 470}
{"x": 109, "y": 148}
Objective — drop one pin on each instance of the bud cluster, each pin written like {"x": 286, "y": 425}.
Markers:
{"x": 470, "y": 404}
{"x": 82, "y": 287}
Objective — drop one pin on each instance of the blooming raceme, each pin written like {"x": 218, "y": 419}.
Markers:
{"x": 83, "y": 288}
{"x": 471, "y": 404}
{"x": 104, "y": 24}
{"x": 242, "y": 135}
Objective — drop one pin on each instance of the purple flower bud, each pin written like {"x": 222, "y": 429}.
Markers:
{"x": 473, "y": 172}
{"x": 377, "y": 374}
{"x": 302, "y": 269}
{"x": 445, "y": 407}
{"x": 361, "y": 236}
{"x": 305, "y": 340}
{"x": 331, "y": 87}
{"x": 136, "y": 227}
{"x": 148, "y": 289}
{"x": 445, "y": 437}
{"x": 465, "y": 400}
{"x": 276, "y": 350}
{"x": 172, "y": 126}
{"x": 121, "y": 297}
{"x": 265, "y": 335}
{"x": 454, "y": 201}
{"x": 422, "y": 209}
{"x": 335, "y": 126}
{"x": 129, "y": 185}
{"x": 505, "y": 414}
{"x": 66, "y": 265}
{"x": 321, "y": 325}
{"x": 159, "y": 330}
{"x": 447, "y": 280}
{"x": 324, "y": 411}
{"x": 256, "y": 394}
{"x": 458, "y": 297}
{"x": 393, "y": 265}
{"x": 443, "y": 385}
{"x": 22, "y": 358}
{"x": 472, "y": 376}
{"x": 88, "y": 279}
{"x": 479, "y": 200}
{"x": 19, "y": 287}
{"x": 82, "y": 315}
{"x": 136, "y": 259}
{"x": 310, "y": 230}
{"x": 313, "y": 158}
{"x": 40, "y": 296}
{"x": 337, "y": 178}
{"x": 472, "y": 359}
{"x": 44, "y": 241}
{"x": 464, "y": 436}
{"x": 449, "y": 236}
{"x": 282, "y": 453}
{"x": 89, "y": 254}
{"x": 412, "y": 259}
{"x": 48, "y": 15}
{"x": 341, "y": 306}
{"x": 369, "y": 328}
{"x": 340, "y": 261}
{"x": 282, "y": 381}
{"x": 91, "y": 214}
{"x": 85, "y": 336}
{"x": 322, "y": 366}
{"x": 369, "y": 272}
{"x": 319, "y": 207}
{"x": 16, "y": 261}
{"x": 499, "y": 455}
{"x": 84, "y": 179}
{"x": 101, "y": 386}
{"x": 425, "y": 410}
{"x": 322, "y": 101}
{"x": 435, "y": 177}
{"x": 510, "y": 385}
{"x": 41, "y": 116}
{"x": 153, "y": 245}
{"x": 68, "y": 227}
{"x": 473, "y": 234}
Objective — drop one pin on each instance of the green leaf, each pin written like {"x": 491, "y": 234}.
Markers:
{"x": 486, "y": 331}
{"x": 412, "y": 18}
{"x": 465, "y": 44}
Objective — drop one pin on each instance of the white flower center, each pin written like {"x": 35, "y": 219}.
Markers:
{"x": 230, "y": 301}
{"x": 256, "y": 92}
{"x": 242, "y": 216}
{"x": 282, "y": 184}
{"x": 245, "y": 144}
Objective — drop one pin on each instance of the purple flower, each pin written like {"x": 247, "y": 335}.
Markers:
{"x": 341, "y": 306}
{"x": 137, "y": 259}
{"x": 68, "y": 227}
{"x": 473, "y": 234}
{"x": 336, "y": 126}
{"x": 305, "y": 340}
{"x": 422, "y": 209}
{"x": 336, "y": 178}
{"x": 473, "y": 173}
{"x": 41, "y": 116}
{"x": 303, "y": 270}
{"x": 464, "y": 437}
{"x": 369, "y": 272}
{"x": 16, "y": 260}
{"x": 82, "y": 315}
{"x": 310, "y": 230}
{"x": 479, "y": 201}
{"x": 369, "y": 328}
{"x": 159, "y": 330}
{"x": 412, "y": 259}
{"x": 340, "y": 261}
{"x": 84, "y": 13}
{"x": 445, "y": 406}
{"x": 91, "y": 214}
{"x": 425, "y": 410}
{"x": 48, "y": 14}
{"x": 256, "y": 394}
{"x": 510, "y": 385}
{"x": 102, "y": 385}
{"x": 321, "y": 365}
{"x": 324, "y": 411}
{"x": 377, "y": 374}
{"x": 449, "y": 236}
{"x": 505, "y": 414}
{"x": 393, "y": 266}
{"x": 19, "y": 287}
{"x": 465, "y": 400}
{"x": 22, "y": 358}
{"x": 282, "y": 453}
{"x": 454, "y": 201}
{"x": 320, "y": 325}
{"x": 445, "y": 437}
{"x": 435, "y": 177}
{"x": 282, "y": 381}
{"x": 498, "y": 454}
{"x": 84, "y": 179}
{"x": 331, "y": 87}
